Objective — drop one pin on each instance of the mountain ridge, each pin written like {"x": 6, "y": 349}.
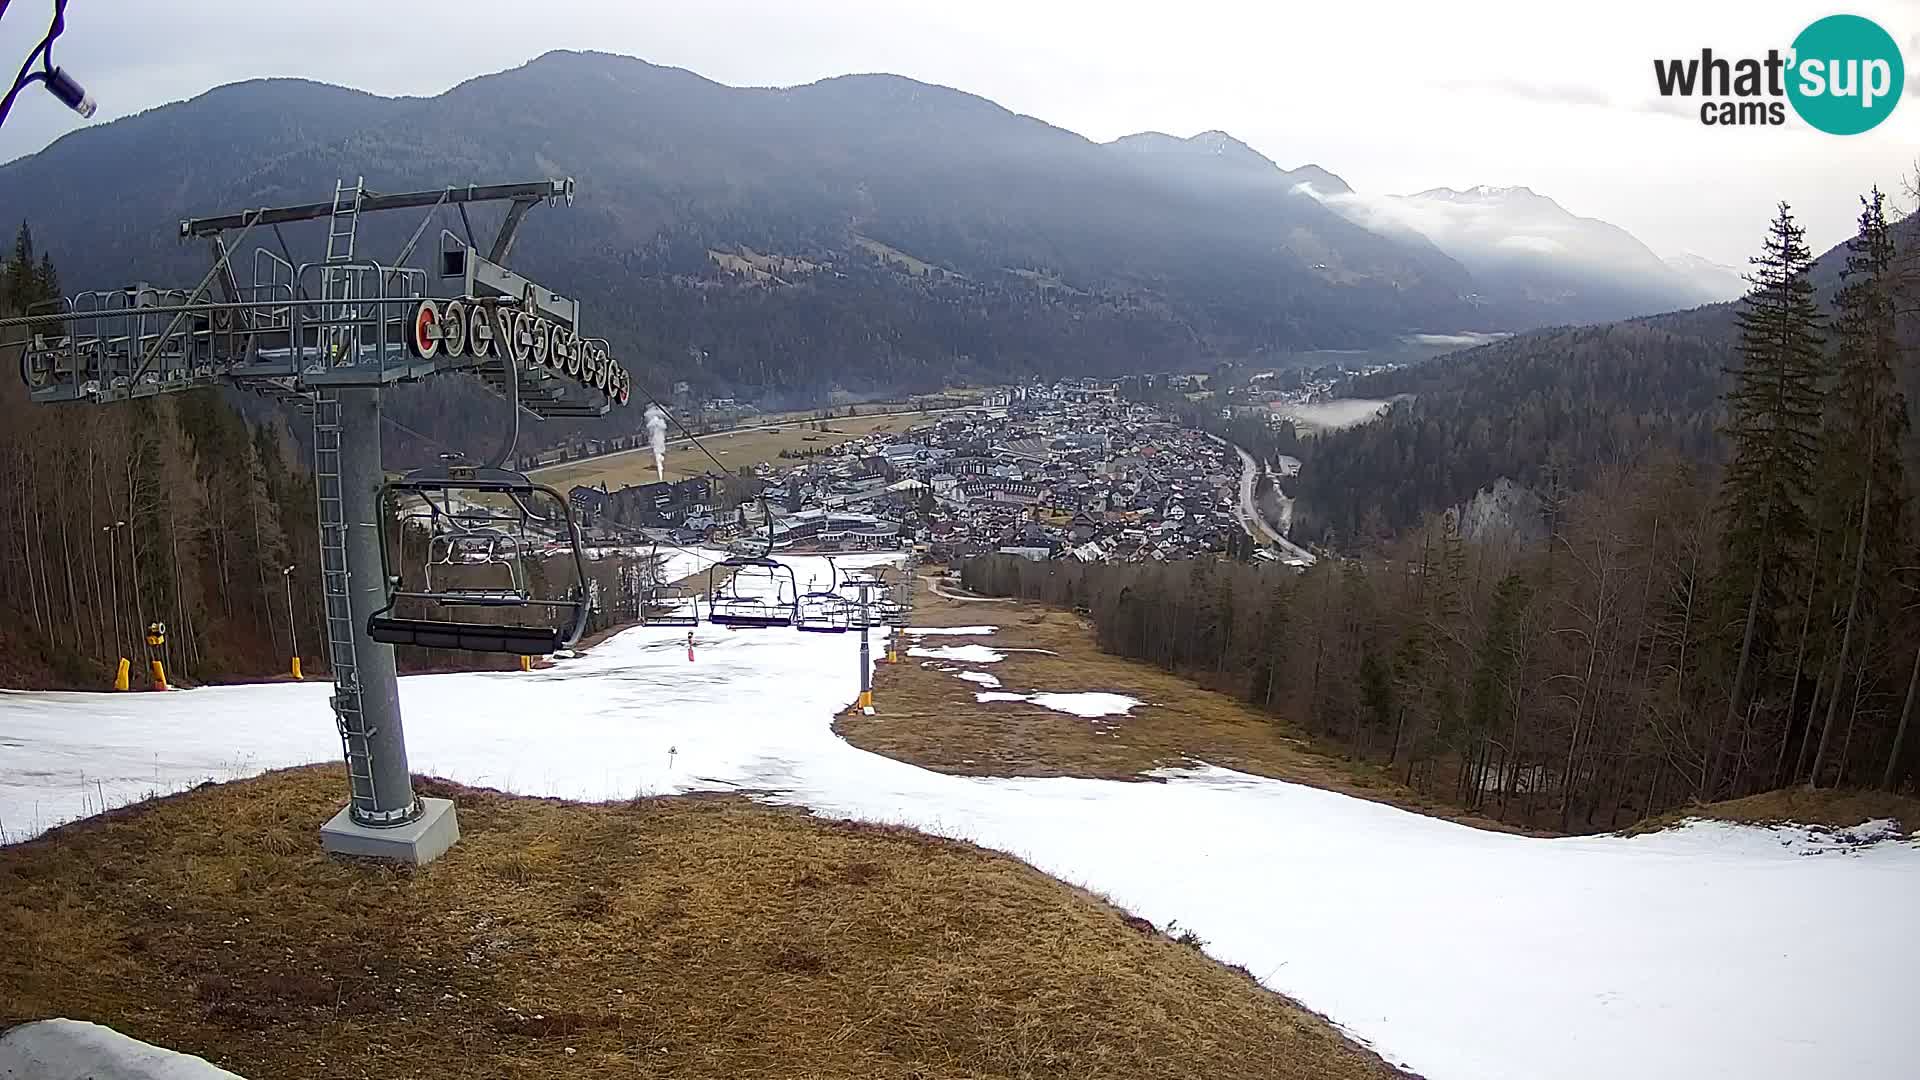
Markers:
{"x": 952, "y": 238}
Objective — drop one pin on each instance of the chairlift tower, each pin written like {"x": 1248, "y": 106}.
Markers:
{"x": 324, "y": 338}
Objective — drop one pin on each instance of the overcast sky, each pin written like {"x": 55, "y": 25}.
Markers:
{"x": 1393, "y": 96}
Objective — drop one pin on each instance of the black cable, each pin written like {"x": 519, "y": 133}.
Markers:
{"x": 647, "y": 393}
{"x": 42, "y": 52}
{"x": 419, "y": 434}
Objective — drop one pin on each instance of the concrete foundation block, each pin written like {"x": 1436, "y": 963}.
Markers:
{"x": 419, "y": 841}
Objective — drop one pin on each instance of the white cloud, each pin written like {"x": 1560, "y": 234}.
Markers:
{"x": 1457, "y": 340}
{"x": 1447, "y": 222}
{"x": 1543, "y": 245}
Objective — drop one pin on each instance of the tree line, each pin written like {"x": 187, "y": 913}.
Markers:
{"x": 1692, "y": 627}
{"x": 170, "y": 509}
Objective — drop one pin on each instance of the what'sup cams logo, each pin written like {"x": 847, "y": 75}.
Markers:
{"x": 1843, "y": 76}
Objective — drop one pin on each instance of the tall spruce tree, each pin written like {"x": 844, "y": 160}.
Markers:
{"x": 1773, "y": 422}
{"x": 19, "y": 279}
{"x": 1866, "y": 425}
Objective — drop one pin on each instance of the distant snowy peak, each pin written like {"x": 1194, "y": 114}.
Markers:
{"x": 1714, "y": 279}
{"x": 1526, "y": 253}
{"x": 1488, "y": 195}
{"x": 1222, "y": 145}
{"x": 1485, "y": 222}
{"x": 1524, "y": 248}
{"x": 1216, "y": 145}
{"x": 1320, "y": 180}
{"x": 1219, "y": 149}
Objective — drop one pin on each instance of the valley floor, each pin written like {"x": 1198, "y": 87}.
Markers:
{"x": 1453, "y": 950}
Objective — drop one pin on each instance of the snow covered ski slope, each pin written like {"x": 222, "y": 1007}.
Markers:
{"x": 1709, "y": 951}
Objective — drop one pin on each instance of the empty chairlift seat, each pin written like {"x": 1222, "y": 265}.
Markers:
{"x": 760, "y": 592}
{"x": 482, "y": 535}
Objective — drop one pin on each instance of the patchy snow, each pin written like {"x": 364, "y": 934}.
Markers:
{"x": 982, "y": 677}
{"x": 1090, "y": 705}
{"x": 920, "y": 631}
{"x": 77, "y": 1050}
{"x": 1823, "y": 839}
{"x": 972, "y": 654}
{"x": 1455, "y": 952}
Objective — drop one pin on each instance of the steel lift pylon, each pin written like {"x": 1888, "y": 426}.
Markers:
{"x": 325, "y": 338}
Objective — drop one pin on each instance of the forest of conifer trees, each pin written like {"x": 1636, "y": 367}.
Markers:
{"x": 170, "y": 509}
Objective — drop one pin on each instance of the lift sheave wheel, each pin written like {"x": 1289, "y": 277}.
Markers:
{"x": 477, "y": 538}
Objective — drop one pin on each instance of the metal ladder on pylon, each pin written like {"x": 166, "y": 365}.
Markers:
{"x": 335, "y": 584}
{"x": 341, "y": 339}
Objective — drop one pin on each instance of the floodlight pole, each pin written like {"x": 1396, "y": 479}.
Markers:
{"x": 293, "y": 635}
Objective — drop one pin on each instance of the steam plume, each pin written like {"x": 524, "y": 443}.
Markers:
{"x": 657, "y": 434}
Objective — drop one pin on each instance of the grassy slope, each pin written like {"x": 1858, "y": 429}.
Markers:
{"x": 685, "y": 937}
{"x": 931, "y": 719}
{"x": 746, "y": 446}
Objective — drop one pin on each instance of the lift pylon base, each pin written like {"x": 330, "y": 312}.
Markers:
{"x": 418, "y": 842}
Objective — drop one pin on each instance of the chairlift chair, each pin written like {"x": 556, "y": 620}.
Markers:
{"x": 670, "y": 605}
{"x": 728, "y": 606}
{"x": 860, "y": 615}
{"x": 825, "y": 613}
{"x": 664, "y": 604}
{"x": 487, "y": 529}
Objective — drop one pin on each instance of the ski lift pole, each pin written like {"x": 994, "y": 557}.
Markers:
{"x": 866, "y": 667}
{"x": 367, "y": 694}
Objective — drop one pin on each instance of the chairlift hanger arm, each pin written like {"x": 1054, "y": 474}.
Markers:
{"x": 523, "y": 196}
{"x": 509, "y": 229}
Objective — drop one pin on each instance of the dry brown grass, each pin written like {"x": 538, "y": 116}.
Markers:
{"x": 930, "y": 718}
{"x": 1841, "y": 808}
{"x": 683, "y": 937}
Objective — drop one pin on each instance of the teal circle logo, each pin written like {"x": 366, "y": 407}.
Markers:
{"x": 1846, "y": 74}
